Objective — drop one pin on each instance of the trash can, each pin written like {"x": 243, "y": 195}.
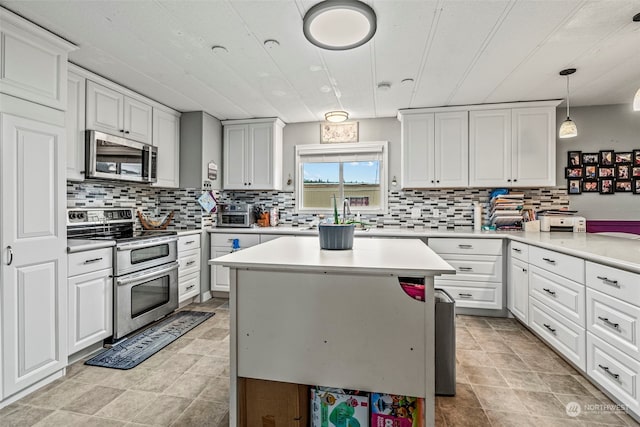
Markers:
{"x": 445, "y": 338}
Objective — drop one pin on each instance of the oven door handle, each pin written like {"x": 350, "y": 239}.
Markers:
{"x": 139, "y": 277}
{"x": 137, "y": 245}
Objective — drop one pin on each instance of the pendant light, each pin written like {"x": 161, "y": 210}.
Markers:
{"x": 568, "y": 128}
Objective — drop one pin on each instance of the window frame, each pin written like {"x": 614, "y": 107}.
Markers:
{"x": 380, "y": 148}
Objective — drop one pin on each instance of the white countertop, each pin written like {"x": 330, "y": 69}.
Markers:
{"x": 373, "y": 256}
{"x": 613, "y": 251}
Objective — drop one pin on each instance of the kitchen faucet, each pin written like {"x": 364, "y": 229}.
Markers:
{"x": 346, "y": 210}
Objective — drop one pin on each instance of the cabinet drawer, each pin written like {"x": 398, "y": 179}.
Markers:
{"x": 612, "y": 281}
{"x": 188, "y": 286}
{"x": 474, "y": 295}
{"x": 226, "y": 240}
{"x": 466, "y": 246}
{"x": 614, "y": 321}
{"x": 562, "y": 295}
{"x": 186, "y": 243}
{"x": 474, "y": 267}
{"x": 89, "y": 261}
{"x": 613, "y": 370}
{"x": 189, "y": 262}
{"x": 563, "y": 335}
{"x": 564, "y": 265}
{"x": 519, "y": 251}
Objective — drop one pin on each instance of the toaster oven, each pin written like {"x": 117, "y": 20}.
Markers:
{"x": 238, "y": 215}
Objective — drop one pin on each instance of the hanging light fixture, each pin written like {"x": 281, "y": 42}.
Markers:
{"x": 339, "y": 24}
{"x": 336, "y": 116}
{"x": 568, "y": 128}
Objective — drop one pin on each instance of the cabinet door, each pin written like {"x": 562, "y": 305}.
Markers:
{"x": 451, "y": 153}
{"x": 490, "y": 148}
{"x": 137, "y": 120}
{"x": 90, "y": 309}
{"x": 260, "y": 174}
{"x": 105, "y": 109}
{"x": 534, "y": 147}
{"x": 166, "y": 136}
{"x": 235, "y": 157}
{"x": 417, "y": 151}
{"x": 219, "y": 275}
{"x": 74, "y": 125}
{"x": 33, "y": 243}
{"x": 518, "y": 289}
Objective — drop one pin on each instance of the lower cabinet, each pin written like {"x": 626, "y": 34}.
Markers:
{"x": 518, "y": 290}
{"x": 188, "y": 267}
{"x": 219, "y": 275}
{"x": 225, "y": 243}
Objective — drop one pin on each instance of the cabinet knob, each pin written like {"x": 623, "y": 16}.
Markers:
{"x": 121, "y": 130}
{"x": 126, "y": 131}
{"x": 432, "y": 181}
{"x": 515, "y": 180}
{"x": 438, "y": 181}
{"x": 249, "y": 183}
{"x": 508, "y": 180}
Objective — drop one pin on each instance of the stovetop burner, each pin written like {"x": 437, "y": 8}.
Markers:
{"x": 107, "y": 224}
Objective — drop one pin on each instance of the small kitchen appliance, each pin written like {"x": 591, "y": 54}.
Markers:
{"x": 570, "y": 223}
{"x": 238, "y": 215}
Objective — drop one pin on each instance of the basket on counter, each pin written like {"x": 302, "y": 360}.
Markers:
{"x": 336, "y": 236}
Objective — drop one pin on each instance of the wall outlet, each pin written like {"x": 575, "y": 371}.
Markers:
{"x": 206, "y": 185}
{"x": 416, "y": 213}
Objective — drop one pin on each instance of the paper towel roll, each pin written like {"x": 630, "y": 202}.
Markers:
{"x": 477, "y": 216}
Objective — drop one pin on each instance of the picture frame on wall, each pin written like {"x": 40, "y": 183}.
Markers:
{"x": 573, "y": 172}
{"x": 623, "y": 186}
{"x": 623, "y": 171}
{"x": 606, "y": 158}
{"x": 574, "y": 158}
{"x": 338, "y": 132}
{"x": 635, "y": 171}
{"x": 606, "y": 172}
{"x": 606, "y": 186}
{"x": 590, "y": 186}
{"x": 636, "y": 186}
{"x": 624, "y": 157}
{"x": 573, "y": 186}
{"x": 590, "y": 158}
{"x": 636, "y": 157}
{"x": 590, "y": 172}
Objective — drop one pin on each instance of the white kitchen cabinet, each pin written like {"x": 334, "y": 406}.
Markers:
{"x": 200, "y": 145}
{"x": 75, "y": 126}
{"x": 33, "y": 243}
{"x": 512, "y": 147}
{"x": 518, "y": 289}
{"x": 252, "y": 154}
{"x": 188, "y": 266}
{"x": 166, "y": 136}
{"x": 33, "y": 62}
{"x": 112, "y": 112}
{"x": 90, "y": 307}
{"x": 434, "y": 149}
{"x": 222, "y": 244}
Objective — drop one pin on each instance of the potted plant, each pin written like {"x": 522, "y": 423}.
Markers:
{"x": 337, "y": 235}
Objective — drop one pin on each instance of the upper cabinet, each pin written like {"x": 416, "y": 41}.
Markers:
{"x": 512, "y": 147}
{"x": 112, "y": 112}
{"x": 166, "y": 136}
{"x": 434, "y": 149}
{"x": 75, "y": 126}
{"x": 33, "y": 62}
{"x": 252, "y": 154}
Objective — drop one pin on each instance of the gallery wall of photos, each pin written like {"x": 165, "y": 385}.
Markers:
{"x": 604, "y": 172}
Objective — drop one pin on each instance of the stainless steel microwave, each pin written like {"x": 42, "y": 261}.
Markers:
{"x": 113, "y": 157}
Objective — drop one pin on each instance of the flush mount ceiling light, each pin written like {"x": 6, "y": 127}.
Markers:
{"x": 636, "y": 99}
{"x": 568, "y": 128}
{"x": 336, "y": 116}
{"x": 339, "y": 24}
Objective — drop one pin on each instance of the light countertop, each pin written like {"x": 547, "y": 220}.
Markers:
{"x": 372, "y": 256}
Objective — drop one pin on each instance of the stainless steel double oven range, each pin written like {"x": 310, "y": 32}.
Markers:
{"x": 145, "y": 266}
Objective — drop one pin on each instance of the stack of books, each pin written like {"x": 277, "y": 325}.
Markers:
{"x": 506, "y": 211}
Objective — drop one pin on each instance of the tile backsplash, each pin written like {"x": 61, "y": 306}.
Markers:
{"x": 440, "y": 209}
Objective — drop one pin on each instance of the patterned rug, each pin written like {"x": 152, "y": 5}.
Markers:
{"x": 138, "y": 348}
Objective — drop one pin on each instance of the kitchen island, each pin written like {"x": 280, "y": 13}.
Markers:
{"x": 334, "y": 318}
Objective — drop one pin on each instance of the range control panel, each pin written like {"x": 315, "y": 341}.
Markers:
{"x": 99, "y": 216}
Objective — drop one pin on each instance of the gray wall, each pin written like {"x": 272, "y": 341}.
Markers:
{"x": 606, "y": 127}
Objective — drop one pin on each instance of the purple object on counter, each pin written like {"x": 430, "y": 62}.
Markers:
{"x": 609, "y": 226}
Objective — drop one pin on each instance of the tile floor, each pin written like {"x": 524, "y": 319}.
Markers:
{"x": 506, "y": 377}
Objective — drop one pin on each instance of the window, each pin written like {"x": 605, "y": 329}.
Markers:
{"x": 356, "y": 172}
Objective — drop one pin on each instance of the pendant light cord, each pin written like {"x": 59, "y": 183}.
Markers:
{"x": 567, "y": 96}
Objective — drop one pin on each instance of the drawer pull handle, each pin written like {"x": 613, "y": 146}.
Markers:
{"x": 553, "y": 331}
{"x": 610, "y": 323}
{"x": 549, "y": 260}
{"x": 517, "y": 250}
{"x": 524, "y": 270}
{"x": 465, "y": 246}
{"x": 611, "y": 374}
{"x": 89, "y": 261}
{"x": 188, "y": 288}
{"x": 549, "y": 291}
{"x": 465, "y": 268}
{"x": 189, "y": 242}
{"x": 465, "y": 295}
{"x": 608, "y": 281}
{"x": 191, "y": 262}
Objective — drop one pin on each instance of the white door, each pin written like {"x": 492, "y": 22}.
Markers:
{"x": 534, "y": 147}
{"x": 137, "y": 120}
{"x": 105, "y": 109}
{"x": 90, "y": 309}
{"x": 260, "y": 167}
{"x": 235, "y": 157}
{"x": 518, "y": 289}
{"x": 166, "y": 136}
{"x": 74, "y": 125}
{"x": 490, "y": 148}
{"x": 417, "y": 151}
{"x": 33, "y": 262}
{"x": 219, "y": 275}
{"x": 451, "y": 152}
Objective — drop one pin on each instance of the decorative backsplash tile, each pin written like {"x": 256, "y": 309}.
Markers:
{"x": 440, "y": 209}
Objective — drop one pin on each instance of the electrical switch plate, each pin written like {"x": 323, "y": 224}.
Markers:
{"x": 415, "y": 213}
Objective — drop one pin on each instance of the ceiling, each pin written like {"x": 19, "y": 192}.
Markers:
{"x": 456, "y": 52}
